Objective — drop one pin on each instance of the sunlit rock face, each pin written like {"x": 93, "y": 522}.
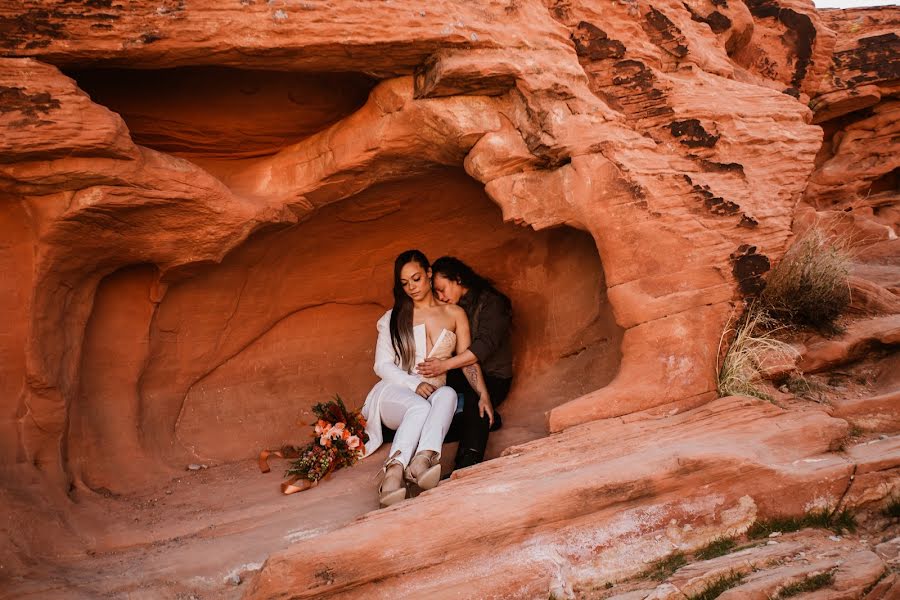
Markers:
{"x": 201, "y": 203}
{"x": 654, "y": 132}
{"x": 231, "y": 359}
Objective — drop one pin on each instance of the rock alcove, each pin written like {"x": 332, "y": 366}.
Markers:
{"x": 230, "y": 360}
{"x": 169, "y": 249}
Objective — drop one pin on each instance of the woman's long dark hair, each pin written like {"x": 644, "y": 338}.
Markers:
{"x": 456, "y": 270}
{"x": 401, "y": 317}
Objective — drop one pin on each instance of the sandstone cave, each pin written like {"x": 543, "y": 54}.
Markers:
{"x": 200, "y": 203}
{"x": 229, "y": 361}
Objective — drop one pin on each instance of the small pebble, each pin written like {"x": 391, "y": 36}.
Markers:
{"x": 194, "y": 467}
{"x": 168, "y": 491}
{"x": 775, "y": 534}
{"x": 771, "y": 543}
{"x": 234, "y": 579}
{"x": 204, "y": 466}
{"x": 835, "y": 538}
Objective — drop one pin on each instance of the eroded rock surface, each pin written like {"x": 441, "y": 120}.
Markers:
{"x": 553, "y": 514}
{"x": 201, "y": 202}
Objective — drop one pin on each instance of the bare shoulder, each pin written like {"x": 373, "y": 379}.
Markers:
{"x": 454, "y": 311}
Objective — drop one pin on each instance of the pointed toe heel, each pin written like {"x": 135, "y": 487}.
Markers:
{"x": 392, "y": 488}
{"x": 386, "y": 499}
{"x": 430, "y": 478}
{"x": 424, "y": 469}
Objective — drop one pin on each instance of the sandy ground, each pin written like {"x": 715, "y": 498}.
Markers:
{"x": 188, "y": 539}
{"x": 205, "y": 532}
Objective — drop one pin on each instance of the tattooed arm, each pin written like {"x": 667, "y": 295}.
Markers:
{"x": 472, "y": 372}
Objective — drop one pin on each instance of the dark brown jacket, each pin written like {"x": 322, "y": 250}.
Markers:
{"x": 489, "y": 319}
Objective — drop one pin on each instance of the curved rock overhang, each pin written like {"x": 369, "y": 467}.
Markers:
{"x": 675, "y": 152}
{"x": 232, "y": 359}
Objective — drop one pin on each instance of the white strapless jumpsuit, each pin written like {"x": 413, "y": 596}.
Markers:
{"x": 420, "y": 424}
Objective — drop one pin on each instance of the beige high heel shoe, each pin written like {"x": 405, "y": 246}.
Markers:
{"x": 424, "y": 469}
{"x": 392, "y": 488}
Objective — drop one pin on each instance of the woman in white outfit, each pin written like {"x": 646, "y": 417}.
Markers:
{"x": 420, "y": 409}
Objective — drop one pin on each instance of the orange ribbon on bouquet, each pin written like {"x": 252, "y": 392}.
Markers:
{"x": 291, "y": 485}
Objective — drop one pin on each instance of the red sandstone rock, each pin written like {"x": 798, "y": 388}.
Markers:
{"x": 550, "y": 151}
{"x": 869, "y": 297}
{"x": 856, "y": 167}
{"x": 44, "y": 116}
{"x": 863, "y": 64}
{"x": 590, "y": 497}
{"x": 162, "y": 310}
{"x": 850, "y": 345}
{"x": 887, "y": 588}
{"x": 766, "y": 569}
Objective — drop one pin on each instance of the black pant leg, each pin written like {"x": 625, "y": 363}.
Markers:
{"x": 460, "y": 385}
{"x": 475, "y": 429}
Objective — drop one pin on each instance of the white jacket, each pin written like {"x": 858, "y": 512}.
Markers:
{"x": 391, "y": 375}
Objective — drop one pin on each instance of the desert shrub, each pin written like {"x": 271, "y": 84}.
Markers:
{"x": 753, "y": 348}
{"x": 803, "y": 387}
{"x": 809, "y": 286}
{"x": 892, "y": 510}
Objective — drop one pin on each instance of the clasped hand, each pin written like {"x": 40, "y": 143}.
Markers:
{"x": 431, "y": 367}
{"x": 425, "y": 390}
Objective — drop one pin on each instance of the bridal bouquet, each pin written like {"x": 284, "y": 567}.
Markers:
{"x": 339, "y": 438}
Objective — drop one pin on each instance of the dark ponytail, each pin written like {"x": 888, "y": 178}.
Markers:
{"x": 401, "y": 317}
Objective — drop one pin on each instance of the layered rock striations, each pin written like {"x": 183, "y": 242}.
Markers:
{"x": 202, "y": 200}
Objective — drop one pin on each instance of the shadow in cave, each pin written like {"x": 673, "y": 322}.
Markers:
{"x": 231, "y": 359}
{"x": 237, "y": 355}
{"x": 211, "y": 113}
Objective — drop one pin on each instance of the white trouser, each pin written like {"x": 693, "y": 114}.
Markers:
{"x": 421, "y": 424}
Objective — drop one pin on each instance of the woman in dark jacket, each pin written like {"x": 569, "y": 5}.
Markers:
{"x": 490, "y": 315}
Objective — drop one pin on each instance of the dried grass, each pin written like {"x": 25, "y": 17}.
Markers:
{"x": 809, "y": 287}
{"x": 753, "y": 349}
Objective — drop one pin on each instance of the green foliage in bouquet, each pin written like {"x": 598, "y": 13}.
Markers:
{"x": 339, "y": 440}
